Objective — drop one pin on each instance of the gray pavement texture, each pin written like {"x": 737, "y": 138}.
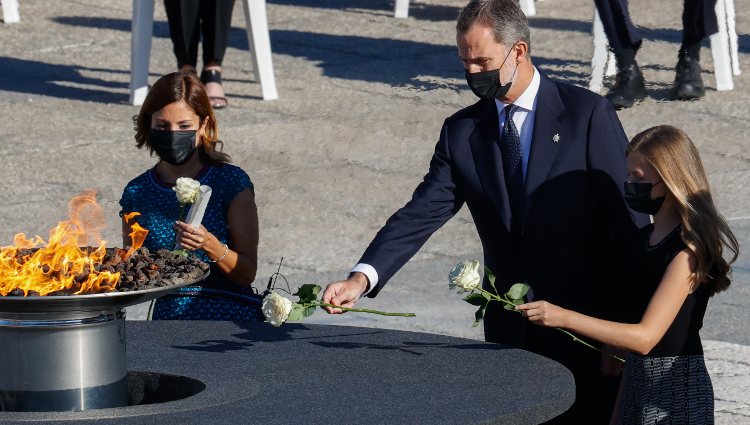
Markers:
{"x": 362, "y": 98}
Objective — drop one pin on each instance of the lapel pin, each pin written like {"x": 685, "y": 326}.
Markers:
{"x": 556, "y": 138}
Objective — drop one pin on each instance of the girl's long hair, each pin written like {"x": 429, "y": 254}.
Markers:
{"x": 182, "y": 86}
{"x": 705, "y": 232}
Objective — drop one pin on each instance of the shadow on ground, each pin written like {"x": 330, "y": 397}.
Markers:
{"x": 350, "y": 57}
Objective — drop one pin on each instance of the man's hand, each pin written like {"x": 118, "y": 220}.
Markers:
{"x": 345, "y": 293}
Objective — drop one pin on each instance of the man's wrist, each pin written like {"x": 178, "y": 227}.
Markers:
{"x": 362, "y": 280}
{"x": 370, "y": 274}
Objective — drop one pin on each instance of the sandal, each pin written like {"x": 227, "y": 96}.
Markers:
{"x": 214, "y": 76}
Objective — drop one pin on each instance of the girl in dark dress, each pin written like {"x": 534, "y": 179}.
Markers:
{"x": 676, "y": 266}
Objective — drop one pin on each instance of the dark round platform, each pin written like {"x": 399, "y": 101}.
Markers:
{"x": 255, "y": 373}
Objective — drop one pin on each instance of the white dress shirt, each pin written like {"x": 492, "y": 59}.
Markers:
{"x": 523, "y": 117}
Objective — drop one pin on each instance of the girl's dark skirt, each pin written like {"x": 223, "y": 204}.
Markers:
{"x": 666, "y": 390}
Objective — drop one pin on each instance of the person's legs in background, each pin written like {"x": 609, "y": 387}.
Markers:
{"x": 624, "y": 41}
{"x": 216, "y": 20}
{"x": 698, "y": 21}
{"x": 184, "y": 21}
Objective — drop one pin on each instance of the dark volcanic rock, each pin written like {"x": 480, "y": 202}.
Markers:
{"x": 142, "y": 270}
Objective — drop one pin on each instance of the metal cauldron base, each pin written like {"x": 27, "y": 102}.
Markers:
{"x": 67, "y": 353}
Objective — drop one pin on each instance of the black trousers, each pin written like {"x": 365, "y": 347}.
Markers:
{"x": 698, "y": 21}
{"x": 191, "y": 19}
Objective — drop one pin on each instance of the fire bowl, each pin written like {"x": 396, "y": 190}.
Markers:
{"x": 61, "y": 307}
{"x": 67, "y": 353}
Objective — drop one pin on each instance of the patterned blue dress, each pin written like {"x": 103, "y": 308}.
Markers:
{"x": 216, "y": 298}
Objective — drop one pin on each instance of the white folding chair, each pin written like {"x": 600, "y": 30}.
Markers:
{"x": 402, "y": 8}
{"x": 724, "y": 50}
{"x": 10, "y": 11}
{"x": 257, "y": 35}
{"x": 603, "y": 60}
{"x": 724, "y": 47}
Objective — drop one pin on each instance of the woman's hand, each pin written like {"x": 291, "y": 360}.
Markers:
{"x": 544, "y": 313}
{"x": 190, "y": 237}
{"x": 238, "y": 260}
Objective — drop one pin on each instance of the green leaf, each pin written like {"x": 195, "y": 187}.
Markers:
{"x": 297, "y": 313}
{"x": 490, "y": 277}
{"x": 308, "y": 292}
{"x": 309, "y": 311}
{"x": 509, "y": 307}
{"x": 180, "y": 252}
{"x": 479, "y": 299}
{"x": 517, "y": 291}
{"x": 479, "y": 315}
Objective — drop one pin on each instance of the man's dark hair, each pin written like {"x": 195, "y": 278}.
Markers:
{"x": 505, "y": 17}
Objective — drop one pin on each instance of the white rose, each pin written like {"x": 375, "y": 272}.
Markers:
{"x": 465, "y": 276}
{"x": 187, "y": 190}
{"x": 276, "y": 308}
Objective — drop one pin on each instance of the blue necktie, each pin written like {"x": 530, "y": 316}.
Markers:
{"x": 510, "y": 148}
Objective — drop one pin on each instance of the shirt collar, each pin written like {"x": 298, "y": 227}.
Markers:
{"x": 527, "y": 100}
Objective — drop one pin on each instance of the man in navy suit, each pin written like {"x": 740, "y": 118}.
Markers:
{"x": 541, "y": 166}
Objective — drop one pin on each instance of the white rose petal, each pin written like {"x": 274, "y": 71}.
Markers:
{"x": 465, "y": 276}
{"x": 276, "y": 308}
{"x": 186, "y": 190}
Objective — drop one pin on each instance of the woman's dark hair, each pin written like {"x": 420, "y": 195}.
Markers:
{"x": 186, "y": 87}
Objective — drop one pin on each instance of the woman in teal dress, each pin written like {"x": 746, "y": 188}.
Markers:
{"x": 177, "y": 124}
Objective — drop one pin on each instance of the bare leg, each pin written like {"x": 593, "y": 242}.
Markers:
{"x": 215, "y": 90}
{"x": 188, "y": 68}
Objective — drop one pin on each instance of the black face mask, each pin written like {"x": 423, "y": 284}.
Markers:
{"x": 175, "y": 147}
{"x": 486, "y": 85}
{"x": 638, "y": 197}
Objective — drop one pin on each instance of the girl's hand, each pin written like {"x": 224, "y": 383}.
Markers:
{"x": 543, "y": 313}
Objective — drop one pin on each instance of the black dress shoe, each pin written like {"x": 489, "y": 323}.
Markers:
{"x": 688, "y": 84}
{"x": 629, "y": 88}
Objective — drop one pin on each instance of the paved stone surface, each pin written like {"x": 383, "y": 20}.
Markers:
{"x": 363, "y": 96}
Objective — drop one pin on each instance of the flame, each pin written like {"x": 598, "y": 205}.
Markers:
{"x": 137, "y": 234}
{"x": 65, "y": 262}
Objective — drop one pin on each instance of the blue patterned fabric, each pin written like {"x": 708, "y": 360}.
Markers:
{"x": 201, "y": 303}
{"x": 216, "y": 298}
{"x": 157, "y": 203}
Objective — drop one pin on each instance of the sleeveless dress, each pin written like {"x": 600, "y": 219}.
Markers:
{"x": 215, "y": 298}
{"x": 669, "y": 385}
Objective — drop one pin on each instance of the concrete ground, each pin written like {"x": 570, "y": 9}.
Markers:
{"x": 362, "y": 98}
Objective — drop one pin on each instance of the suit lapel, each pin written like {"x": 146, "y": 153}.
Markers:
{"x": 485, "y": 149}
{"x": 548, "y": 134}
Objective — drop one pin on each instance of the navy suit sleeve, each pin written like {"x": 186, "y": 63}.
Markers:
{"x": 433, "y": 203}
{"x": 608, "y": 166}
